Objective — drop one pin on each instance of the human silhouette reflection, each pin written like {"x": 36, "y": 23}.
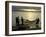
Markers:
{"x": 17, "y": 21}
{"x": 22, "y": 20}
{"x": 37, "y": 21}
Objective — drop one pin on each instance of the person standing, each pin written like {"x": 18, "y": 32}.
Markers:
{"x": 17, "y": 22}
{"x": 22, "y": 20}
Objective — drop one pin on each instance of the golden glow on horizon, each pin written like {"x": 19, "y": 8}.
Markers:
{"x": 31, "y": 16}
{"x": 29, "y": 10}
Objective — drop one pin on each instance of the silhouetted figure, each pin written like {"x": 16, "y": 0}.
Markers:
{"x": 22, "y": 20}
{"x": 17, "y": 21}
{"x": 37, "y": 21}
